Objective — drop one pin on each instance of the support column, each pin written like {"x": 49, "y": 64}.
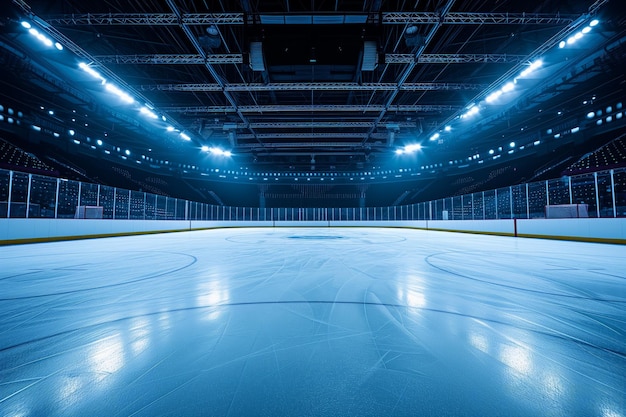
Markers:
{"x": 56, "y": 202}
{"x": 10, "y": 193}
{"x": 613, "y": 193}
{"x": 30, "y": 183}
{"x": 595, "y": 181}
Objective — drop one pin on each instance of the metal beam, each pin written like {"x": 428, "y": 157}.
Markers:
{"x": 429, "y": 18}
{"x": 299, "y": 145}
{"x": 146, "y": 19}
{"x": 454, "y": 58}
{"x": 409, "y": 69}
{"x": 171, "y": 59}
{"x": 321, "y": 125}
{"x": 192, "y": 38}
{"x": 310, "y": 135}
{"x": 470, "y": 18}
{"x": 306, "y": 86}
{"x": 547, "y": 45}
{"x": 316, "y": 108}
{"x": 191, "y": 59}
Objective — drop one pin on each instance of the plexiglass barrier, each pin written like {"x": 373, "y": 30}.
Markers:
{"x": 598, "y": 194}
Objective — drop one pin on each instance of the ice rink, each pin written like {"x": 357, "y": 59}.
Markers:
{"x": 313, "y": 322}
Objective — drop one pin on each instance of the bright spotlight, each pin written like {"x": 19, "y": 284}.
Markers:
{"x": 146, "y": 111}
{"x": 512, "y": 144}
{"x": 447, "y": 128}
{"x": 170, "y": 128}
{"x": 58, "y": 46}
{"x": 493, "y": 96}
{"x": 127, "y": 152}
{"x": 471, "y": 112}
{"x": 594, "y": 22}
{"x": 562, "y": 44}
{"x": 531, "y": 68}
{"x": 229, "y": 153}
{"x": 25, "y": 24}
{"x": 184, "y": 136}
{"x": 121, "y": 94}
{"x": 204, "y": 148}
{"x": 435, "y": 136}
{"x": 91, "y": 72}
{"x": 99, "y": 142}
{"x": 508, "y": 87}
{"x": 413, "y": 148}
{"x": 399, "y": 151}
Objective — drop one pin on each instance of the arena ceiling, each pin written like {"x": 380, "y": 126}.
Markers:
{"x": 312, "y": 85}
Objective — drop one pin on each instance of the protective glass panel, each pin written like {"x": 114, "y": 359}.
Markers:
{"x": 137, "y": 205}
{"x": 43, "y": 191}
{"x": 558, "y": 191}
{"x": 584, "y": 192}
{"x": 519, "y": 202}
{"x": 161, "y": 209}
{"x": 68, "y": 199}
{"x": 121, "y": 204}
{"x": 619, "y": 179}
{"x": 106, "y": 201}
{"x": 4, "y": 192}
{"x": 605, "y": 196}
{"x": 537, "y": 199}
{"x": 88, "y": 194}
{"x": 490, "y": 204}
{"x": 504, "y": 203}
{"x": 19, "y": 194}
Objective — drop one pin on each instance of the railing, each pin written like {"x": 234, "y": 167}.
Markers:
{"x": 23, "y": 195}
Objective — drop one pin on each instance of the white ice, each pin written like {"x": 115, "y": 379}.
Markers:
{"x": 313, "y": 322}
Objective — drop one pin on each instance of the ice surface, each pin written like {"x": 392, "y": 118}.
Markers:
{"x": 313, "y": 321}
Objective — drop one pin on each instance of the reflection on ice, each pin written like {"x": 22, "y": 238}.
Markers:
{"x": 552, "y": 384}
{"x": 140, "y": 335}
{"x": 69, "y": 387}
{"x": 211, "y": 294}
{"x": 517, "y": 357}
{"x": 107, "y": 356}
{"x": 411, "y": 298}
{"x": 479, "y": 341}
{"x": 610, "y": 411}
{"x": 250, "y": 322}
{"x": 163, "y": 321}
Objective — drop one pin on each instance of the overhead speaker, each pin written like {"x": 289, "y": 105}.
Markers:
{"x": 257, "y": 63}
{"x": 212, "y": 38}
{"x": 412, "y": 37}
{"x": 370, "y": 56}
